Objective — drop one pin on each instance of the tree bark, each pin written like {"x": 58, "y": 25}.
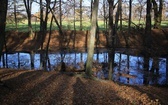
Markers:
{"x": 28, "y": 6}
{"x": 3, "y": 13}
{"x": 157, "y": 13}
{"x": 41, "y": 16}
{"x": 74, "y": 15}
{"x": 167, "y": 70}
{"x": 130, "y": 15}
{"x": 120, "y": 13}
{"x": 91, "y": 5}
{"x": 60, "y": 10}
{"x": 92, "y": 39}
{"x": 15, "y": 15}
{"x": 147, "y": 37}
{"x": 148, "y": 24}
{"x": 104, "y": 14}
{"x": 111, "y": 39}
{"x": 81, "y": 14}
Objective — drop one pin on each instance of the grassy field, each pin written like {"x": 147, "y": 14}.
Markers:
{"x": 23, "y": 27}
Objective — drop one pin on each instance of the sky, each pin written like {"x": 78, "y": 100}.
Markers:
{"x": 35, "y": 6}
{"x": 85, "y": 2}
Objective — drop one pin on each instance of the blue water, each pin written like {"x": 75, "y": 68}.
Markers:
{"x": 135, "y": 66}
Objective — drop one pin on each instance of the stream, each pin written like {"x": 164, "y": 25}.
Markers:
{"x": 134, "y": 74}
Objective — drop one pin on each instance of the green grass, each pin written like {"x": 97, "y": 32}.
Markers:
{"x": 23, "y": 27}
{"x": 165, "y": 23}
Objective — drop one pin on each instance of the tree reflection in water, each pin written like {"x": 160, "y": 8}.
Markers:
{"x": 134, "y": 74}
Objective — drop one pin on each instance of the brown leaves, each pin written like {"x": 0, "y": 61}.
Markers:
{"x": 40, "y": 87}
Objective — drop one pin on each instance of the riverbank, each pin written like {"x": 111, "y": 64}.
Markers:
{"x": 76, "y": 41}
{"x": 31, "y": 87}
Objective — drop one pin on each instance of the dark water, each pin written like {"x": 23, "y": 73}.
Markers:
{"x": 135, "y": 68}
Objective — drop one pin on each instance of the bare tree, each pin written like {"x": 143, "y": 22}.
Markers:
{"x": 60, "y": 10}
{"x": 48, "y": 2}
{"x": 3, "y": 12}
{"x": 15, "y": 14}
{"x": 81, "y": 14}
{"x": 120, "y": 13}
{"x": 44, "y": 11}
{"x": 41, "y": 15}
{"x": 130, "y": 15}
{"x": 105, "y": 13}
{"x": 147, "y": 38}
{"x": 140, "y": 9}
{"x": 74, "y": 15}
{"x": 91, "y": 41}
{"x": 44, "y": 7}
{"x": 110, "y": 38}
{"x": 157, "y": 13}
{"x": 28, "y": 6}
{"x": 91, "y": 5}
{"x": 148, "y": 24}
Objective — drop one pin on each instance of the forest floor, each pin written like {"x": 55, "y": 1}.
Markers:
{"x": 30, "y": 87}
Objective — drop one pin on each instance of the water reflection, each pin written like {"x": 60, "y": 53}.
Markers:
{"x": 124, "y": 73}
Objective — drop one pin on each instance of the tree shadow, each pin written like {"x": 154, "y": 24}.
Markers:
{"x": 28, "y": 95}
{"x": 152, "y": 94}
{"x": 17, "y": 85}
{"x": 37, "y": 87}
{"x": 15, "y": 40}
{"x": 80, "y": 93}
{"x": 5, "y": 73}
{"x": 22, "y": 79}
{"x": 60, "y": 92}
{"x": 91, "y": 93}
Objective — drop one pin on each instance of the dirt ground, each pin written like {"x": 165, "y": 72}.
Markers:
{"x": 31, "y": 87}
{"x": 20, "y": 41}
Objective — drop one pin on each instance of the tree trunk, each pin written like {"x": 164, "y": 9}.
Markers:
{"x": 167, "y": 70}
{"x": 42, "y": 31}
{"x": 130, "y": 14}
{"x": 28, "y": 6}
{"x": 15, "y": 15}
{"x": 46, "y": 14}
{"x": 32, "y": 60}
{"x": 120, "y": 13}
{"x": 92, "y": 39}
{"x": 43, "y": 62}
{"x": 48, "y": 43}
{"x": 74, "y": 16}
{"x": 155, "y": 65}
{"x": 61, "y": 39}
{"x": 60, "y": 10}
{"x": 148, "y": 22}
{"x": 91, "y": 5}
{"x": 41, "y": 15}
{"x": 74, "y": 35}
{"x": 147, "y": 40}
{"x": 104, "y": 14}
{"x": 3, "y": 12}
{"x": 157, "y": 13}
{"x": 81, "y": 14}
{"x": 111, "y": 38}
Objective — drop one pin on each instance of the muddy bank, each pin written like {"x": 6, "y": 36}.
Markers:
{"x": 77, "y": 41}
